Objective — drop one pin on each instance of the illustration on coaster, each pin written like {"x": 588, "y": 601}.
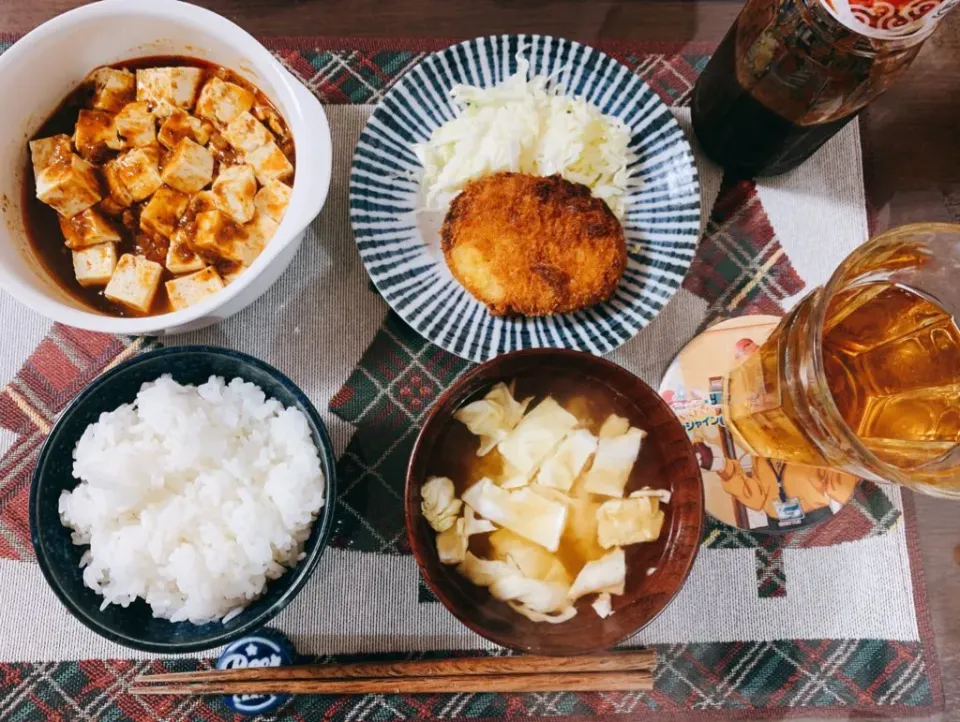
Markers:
{"x": 743, "y": 490}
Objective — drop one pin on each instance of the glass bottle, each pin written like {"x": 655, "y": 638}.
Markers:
{"x": 790, "y": 73}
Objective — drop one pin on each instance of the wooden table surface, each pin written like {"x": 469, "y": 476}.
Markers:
{"x": 913, "y": 172}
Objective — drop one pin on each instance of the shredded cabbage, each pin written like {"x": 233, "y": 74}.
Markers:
{"x": 565, "y": 614}
{"x": 493, "y": 417}
{"x": 523, "y": 126}
{"x": 440, "y": 505}
{"x": 603, "y": 605}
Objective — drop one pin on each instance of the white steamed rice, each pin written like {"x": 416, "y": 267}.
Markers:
{"x": 193, "y": 497}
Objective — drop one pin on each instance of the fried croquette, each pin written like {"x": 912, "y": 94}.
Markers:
{"x": 524, "y": 244}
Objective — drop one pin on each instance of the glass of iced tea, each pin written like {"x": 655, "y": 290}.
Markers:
{"x": 864, "y": 374}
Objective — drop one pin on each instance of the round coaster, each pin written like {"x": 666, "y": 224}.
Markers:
{"x": 265, "y": 648}
{"x": 742, "y": 490}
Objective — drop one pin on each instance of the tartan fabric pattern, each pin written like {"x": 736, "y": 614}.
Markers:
{"x": 385, "y": 398}
{"x": 771, "y": 577}
{"x": 347, "y": 76}
{"x": 741, "y": 267}
{"x": 360, "y": 76}
{"x": 868, "y": 513}
{"x": 672, "y": 77}
{"x": 61, "y": 366}
{"x": 736, "y": 677}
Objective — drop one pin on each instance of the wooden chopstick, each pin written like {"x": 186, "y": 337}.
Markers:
{"x": 455, "y": 666}
{"x": 578, "y": 682}
{"x": 619, "y": 671}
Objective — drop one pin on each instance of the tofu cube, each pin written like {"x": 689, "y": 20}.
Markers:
{"x": 259, "y": 232}
{"x": 94, "y": 266}
{"x": 202, "y": 201}
{"x": 218, "y": 237}
{"x": 87, "y": 229}
{"x": 231, "y": 275}
{"x": 69, "y": 187}
{"x": 182, "y": 125}
{"x": 96, "y": 135}
{"x": 244, "y": 249}
{"x": 112, "y": 88}
{"x": 272, "y": 200}
{"x": 180, "y": 257}
{"x": 139, "y": 172}
{"x": 246, "y": 133}
{"x": 190, "y": 168}
{"x": 44, "y": 152}
{"x": 161, "y": 214}
{"x": 136, "y": 126}
{"x": 234, "y": 191}
{"x": 168, "y": 88}
{"x": 188, "y": 290}
{"x": 221, "y": 102}
{"x": 270, "y": 162}
{"x": 119, "y": 196}
{"x": 109, "y": 207}
{"x": 270, "y": 118}
{"x": 134, "y": 282}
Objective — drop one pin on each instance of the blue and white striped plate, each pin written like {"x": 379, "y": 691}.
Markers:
{"x": 401, "y": 247}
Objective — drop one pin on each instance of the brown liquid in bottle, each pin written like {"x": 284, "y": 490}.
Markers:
{"x": 741, "y": 133}
{"x": 786, "y": 78}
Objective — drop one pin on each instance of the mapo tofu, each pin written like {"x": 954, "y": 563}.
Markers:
{"x": 156, "y": 184}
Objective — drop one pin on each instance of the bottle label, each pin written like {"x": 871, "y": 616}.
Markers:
{"x": 889, "y": 19}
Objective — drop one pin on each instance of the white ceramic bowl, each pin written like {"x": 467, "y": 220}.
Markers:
{"x": 38, "y": 72}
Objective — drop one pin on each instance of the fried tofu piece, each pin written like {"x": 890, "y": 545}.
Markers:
{"x": 94, "y": 266}
{"x": 532, "y": 245}
{"x": 273, "y": 199}
{"x": 161, "y": 214}
{"x": 182, "y": 125}
{"x": 112, "y": 88}
{"x": 139, "y": 172}
{"x": 136, "y": 125}
{"x": 234, "y": 192}
{"x": 44, "y": 152}
{"x": 96, "y": 136}
{"x": 270, "y": 163}
{"x": 180, "y": 257}
{"x": 69, "y": 187}
{"x": 134, "y": 282}
{"x": 246, "y": 133}
{"x": 168, "y": 88}
{"x": 221, "y": 102}
{"x": 188, "y": 290}
{"x": 190, "y": 168}
{"x": 87, "y": 229}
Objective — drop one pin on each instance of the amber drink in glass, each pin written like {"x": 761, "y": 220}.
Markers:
{"x": 864, "y": 374}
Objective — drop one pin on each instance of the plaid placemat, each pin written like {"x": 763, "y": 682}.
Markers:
{"x": 830, "y": 621}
